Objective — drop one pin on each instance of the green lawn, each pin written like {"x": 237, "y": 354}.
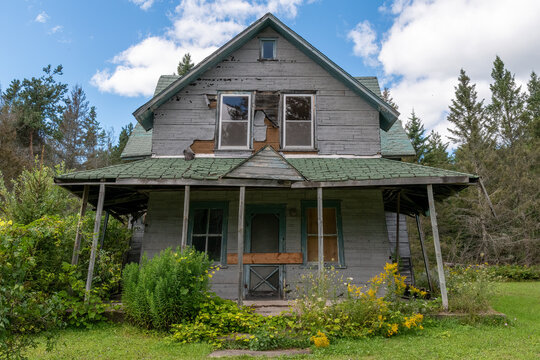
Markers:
{"x": 448, "y": 339}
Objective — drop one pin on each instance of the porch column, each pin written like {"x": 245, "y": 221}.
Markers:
{"x": 241, "y": 206}
{"x": 95, "y": 236}
{"x": 78, "y": 234}
{"x": 436, "y": 242}
{"x": 320, "y": 231}
{"x": 185, "y": 220}
{"x": 396, "y": 255}
{"x": 424, "y": 253}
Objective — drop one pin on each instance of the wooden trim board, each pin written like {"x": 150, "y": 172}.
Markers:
{"x": 266, "y": 258}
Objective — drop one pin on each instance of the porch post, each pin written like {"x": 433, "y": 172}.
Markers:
{"x": 396, "y": 255}
{"x": 186, "y": 217}
{"x": 436, "y": 242}
{"x": 320, "y": 233}
{"x": 424, "y": 253}
{"x": 241, "y": 205}
{"x": 105, "y": 224}
{"x": 95, "y": 236}
{"x": 78, "y": 234}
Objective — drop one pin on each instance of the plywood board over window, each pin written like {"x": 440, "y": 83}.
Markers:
{"x": 332, "y": 233}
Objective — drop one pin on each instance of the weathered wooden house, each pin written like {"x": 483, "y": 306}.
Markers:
{"x": 270, "y": 147}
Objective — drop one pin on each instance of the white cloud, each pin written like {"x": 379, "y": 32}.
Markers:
{"x": 431, "y": 40}
{"x": 143, "y": 4}
{"x": 198, "y": 27}
{"x": 42, "y": 17}
{"x": 363, "y": 36}
{"x": 55, "y": 29}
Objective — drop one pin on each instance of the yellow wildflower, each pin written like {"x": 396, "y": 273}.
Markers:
{"x": 320, "y": 340}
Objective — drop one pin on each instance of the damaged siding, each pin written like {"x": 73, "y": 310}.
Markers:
{"x": 345, "y": 123}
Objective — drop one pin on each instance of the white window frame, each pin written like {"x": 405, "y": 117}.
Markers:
{"x": 249, "y": 120}
{"x": 312, "y": 121}
{"x": 261, "y": 40}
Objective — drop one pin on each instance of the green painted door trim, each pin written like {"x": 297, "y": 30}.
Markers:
{"x": 326, "y": 204}
{"x": 223, "y": 205}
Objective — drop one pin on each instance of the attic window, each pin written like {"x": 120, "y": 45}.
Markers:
{"x": 268, "y": 49}
{"x": 234, "y": 121}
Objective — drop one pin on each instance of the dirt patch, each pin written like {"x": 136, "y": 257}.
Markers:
{"x": 271, "y": 353}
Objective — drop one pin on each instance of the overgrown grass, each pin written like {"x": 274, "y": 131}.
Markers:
{"x": 442, "y": 339}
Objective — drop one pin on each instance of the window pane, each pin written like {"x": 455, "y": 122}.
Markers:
{"x": 200, "y": 218}
{"x": 312, "y": 221}
{"x": 235, "y": 108}
{"x": 330, "y": 249}
{"x": 329, "y": 221}
{"x": 312, "y": 253}
{"x": 216, "y": 221}
{"x": 298, "y": 108}
{"x": 267, "y": 49}
{"x": 298, "y": 133}
{"x": 214, "y": 248}
{"x": 198, "y": 242}
{"x": 234, "y": 134}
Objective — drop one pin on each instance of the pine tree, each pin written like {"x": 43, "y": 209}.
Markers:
{"x": 415, "y": 131}
{"x": 185, "y": 65}
{"x": 507, "y": 108}
{"x": 436, "y": 153}
{"x": 117, "y": 149}
{"x": 94, "y": 137}
{"x": 533, "y": 104}
{"x": 388, "y": 98}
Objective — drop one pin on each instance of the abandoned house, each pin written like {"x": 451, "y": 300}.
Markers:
{"x": 270, "y": 148}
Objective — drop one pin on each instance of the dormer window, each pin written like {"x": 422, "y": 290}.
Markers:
{"x": 234, "y": 121}
{"x": 268, "y": 49}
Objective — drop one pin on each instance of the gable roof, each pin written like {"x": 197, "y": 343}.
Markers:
{"x": 265, "y": 164}
{"x": 145, "y": 116}
{"x": 394, "y": 142}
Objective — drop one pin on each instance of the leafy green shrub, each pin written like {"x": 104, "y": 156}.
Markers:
{"x": 469, "y": 289}
{"x": 515, "y": 272}
{"x": 168, "y": 289}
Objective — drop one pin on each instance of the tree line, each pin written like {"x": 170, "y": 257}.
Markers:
{"x": 42, "y": 117}
{"x": 498, "y": 140}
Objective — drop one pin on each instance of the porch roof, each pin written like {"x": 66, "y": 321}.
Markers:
{"x": 312, "y": 169}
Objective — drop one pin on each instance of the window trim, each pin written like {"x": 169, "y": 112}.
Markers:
{"x": 298, "y": 147}
{"x": 336, "y": 204}
{"x": 223, "y": 205}
{"x": 249, "y": 120}
{"x": 263, "y": 39}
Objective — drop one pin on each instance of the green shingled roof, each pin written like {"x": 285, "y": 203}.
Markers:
{"x": 313, "y": 169}
{"x": 164, "y": 81}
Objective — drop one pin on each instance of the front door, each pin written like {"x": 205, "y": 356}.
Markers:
{"x": 265, "y": 233}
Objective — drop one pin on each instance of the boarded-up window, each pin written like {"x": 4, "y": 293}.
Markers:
{"x": 234, "y": 121}
{"x": 330, "y": 234}
{"x": 298, "y": 119}
{"x": 208, "y": 229}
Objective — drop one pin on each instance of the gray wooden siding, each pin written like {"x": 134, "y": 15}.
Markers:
{"x": 364, "y": 229}
{"x": 404, "y": 248}
{"x": 345, "y": 123}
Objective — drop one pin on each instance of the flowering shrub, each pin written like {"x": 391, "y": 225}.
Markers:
{"x": 168, "y": 289}
{"x": 320, "y": 340}
{"x": 469, "y": 288}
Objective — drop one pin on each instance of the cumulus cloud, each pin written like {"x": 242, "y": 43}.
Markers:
{"x": 363, "y": 36}
{"x": 198, "y": 27}
{"x": 42, "y": 17}
{"x": 431, "y": 40}
{"x": 143, "y": 4}
{"x": 56, "y": 29}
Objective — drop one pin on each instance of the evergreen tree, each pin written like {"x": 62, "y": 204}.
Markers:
{"x": 185, "y": 65}
{"x": 507, "y": 108}
{"x": 388, "y": 98}
{"x": 37, "y": 105}
{"x": 117, "y": 150}
{"x": 533, "y": 104}
{"x": 94, "y": 137}
{"x": 415, "y": 131}
{"x": 436, "y": 153}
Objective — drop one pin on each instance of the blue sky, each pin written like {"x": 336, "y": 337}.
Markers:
{"x": 116, "y": 49}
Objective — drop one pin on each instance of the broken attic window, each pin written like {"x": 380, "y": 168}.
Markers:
{"x": 268, "y": 49}
{"x": 207, "y": 231}
{"x": 298, "y": 116}
{"x": 234, "y": 116}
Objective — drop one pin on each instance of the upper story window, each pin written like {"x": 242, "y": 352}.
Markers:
{"x": 234, "y": 121}
{"x": 298, "y": 118}
{"x": 268, "y": 49}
